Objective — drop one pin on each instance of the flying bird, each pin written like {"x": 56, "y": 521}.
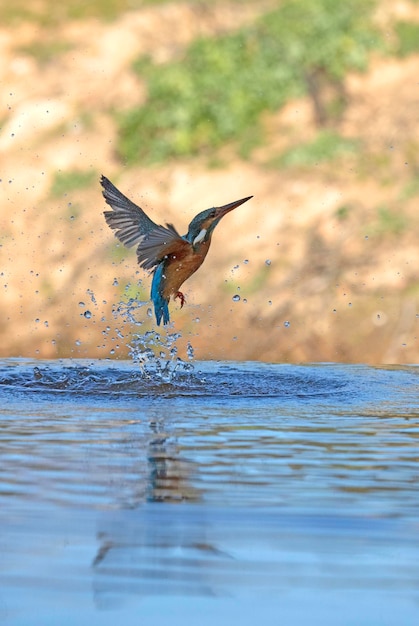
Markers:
{"x": 172, "y": 257}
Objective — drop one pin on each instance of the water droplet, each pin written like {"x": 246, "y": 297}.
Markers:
{"x": 287, "y": 324}
{"x": 366, "y": 236}
{"x": 236, "y": 298}
{"x": 78, "y": 342}
{"x": 270, "y": 302}
{"x": 115, "y": 282}
{"x": 245, "y": 300}
{"x": 81, "y": 304}
{"x": 37, "y": 320}
{"x": 268, "y": 262}
{"x": 92, "y": 295}
{"x": 87, "y": 314}
{"x": 246, "y": 261}
{"x": 197, "y": 320}
{"x": 46, "y": 323}
{"x": 149, "y": 313}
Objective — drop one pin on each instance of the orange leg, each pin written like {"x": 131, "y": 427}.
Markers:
{"x": 181, "y": 297}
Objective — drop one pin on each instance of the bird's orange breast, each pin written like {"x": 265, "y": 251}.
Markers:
{"x": 179, "y": 268}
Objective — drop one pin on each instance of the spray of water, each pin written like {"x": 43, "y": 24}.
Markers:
{"x": 156, "y": 353}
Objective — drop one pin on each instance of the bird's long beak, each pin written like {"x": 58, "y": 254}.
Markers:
{"x": 222, "y": 210}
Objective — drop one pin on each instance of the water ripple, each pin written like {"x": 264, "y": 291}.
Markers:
{"x": 218, "y": 380}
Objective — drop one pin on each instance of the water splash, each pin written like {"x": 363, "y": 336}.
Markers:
{"x": 156, "y": 353}
{"x": 157, "y": 356}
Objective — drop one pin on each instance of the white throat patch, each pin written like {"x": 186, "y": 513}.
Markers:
{"x": 200, "y": 237}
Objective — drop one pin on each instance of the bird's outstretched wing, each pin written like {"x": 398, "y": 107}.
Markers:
{"x": 132, "y": 226}
{"x": 128, "y": 220}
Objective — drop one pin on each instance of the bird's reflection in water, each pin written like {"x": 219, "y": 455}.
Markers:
{"x": 169, "y": 472}
{"x": 145, "y": 548}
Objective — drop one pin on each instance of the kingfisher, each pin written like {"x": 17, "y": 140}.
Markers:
{"x": 171, "y": 257}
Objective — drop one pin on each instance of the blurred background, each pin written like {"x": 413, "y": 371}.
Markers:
{"x": 312, "y": 107}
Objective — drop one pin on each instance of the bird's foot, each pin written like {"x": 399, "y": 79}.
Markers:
{"x": 181, "y": 297}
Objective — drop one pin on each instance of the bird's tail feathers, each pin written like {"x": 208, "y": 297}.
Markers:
{"x": 161, "y": 310}
{"x": 161, "y": 304}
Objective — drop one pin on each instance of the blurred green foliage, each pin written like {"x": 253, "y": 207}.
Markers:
{"x": 65, "y": 182}
{"x": 219, "y": 90}
{"x": 408, "y": 38}
{"x": 48, "y": 13}
{"x": 390, "y": 221}
{"x": 344, "y": 211}
{"x": 411, "y": 189}
{"x": 326, "y": 146}
{"x": 45, "y": 51}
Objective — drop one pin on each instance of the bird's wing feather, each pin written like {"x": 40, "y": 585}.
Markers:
{"x": 159, "y": 243}
{"x": 128, "y": 220}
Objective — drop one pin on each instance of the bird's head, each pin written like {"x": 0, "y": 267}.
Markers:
{"x": 203, "y": 224}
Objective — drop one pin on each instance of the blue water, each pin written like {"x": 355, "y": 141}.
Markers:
{"x": 215, "y": 494}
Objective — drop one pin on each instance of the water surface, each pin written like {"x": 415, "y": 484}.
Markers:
{"x": 219, "y": 493}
